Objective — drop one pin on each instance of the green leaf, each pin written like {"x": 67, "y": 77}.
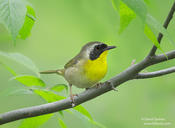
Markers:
{"x": 12, "y": 15}
{"x": 85, "y": 115}
{"x": 128, "y": 10}
{"x": 15, "y": 90}
{"x": 115, "y": 4}
{"x": 85, "y": 120}
{"x": 138, "y": 6}
{"x": 61, "y": 123}
{"x": 30, "y": 80}
{"x": 9, "y": 69}
{"x": 147, "y": 1}
{"x": 155, "y": 25}
{"x": 89, "y": 123}
{"x": 59, "y": 87}
{"x": 19, "y": 92}
{"x": 48, "y": 95}
{"x": 61, "y": 113}
{"x": 21, "y": 59}
{"x": 148, "y": 32}
{"x": 83, "y": 111}
{"x": 28, "y": 24}
{"x": 97, "y": 124}
{"x": 35, "y": 122}
{"x": 126, "y": 16}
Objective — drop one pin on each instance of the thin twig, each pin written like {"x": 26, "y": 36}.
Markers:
{"x": 165, "y": 25}
{"x": 155, "y": 74}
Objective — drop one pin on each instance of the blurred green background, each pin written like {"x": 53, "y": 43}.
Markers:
{"x": 62, "y": 27}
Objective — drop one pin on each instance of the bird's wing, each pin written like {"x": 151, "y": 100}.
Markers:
{"x": 73, "y": 61}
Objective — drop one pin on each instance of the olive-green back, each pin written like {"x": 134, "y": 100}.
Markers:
{"x": 73, "y": 61}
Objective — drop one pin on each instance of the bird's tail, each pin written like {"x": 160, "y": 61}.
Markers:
{"x": 59, "y": 72}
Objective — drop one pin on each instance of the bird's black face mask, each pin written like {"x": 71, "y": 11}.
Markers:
{"x": 98, "y": 50}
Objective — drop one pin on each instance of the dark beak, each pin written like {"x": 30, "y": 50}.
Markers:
{"x": 110, "y": 47}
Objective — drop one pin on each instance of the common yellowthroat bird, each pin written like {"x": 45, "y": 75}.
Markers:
{"x": 87, "y": 68}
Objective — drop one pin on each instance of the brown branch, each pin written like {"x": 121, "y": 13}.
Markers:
{"x": 155, "y": 74}
{"x": 86, "y": 95}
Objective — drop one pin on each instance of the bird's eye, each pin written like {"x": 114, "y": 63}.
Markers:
{"x": 97, "y": 47}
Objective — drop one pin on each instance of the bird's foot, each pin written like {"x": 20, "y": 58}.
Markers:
{"x": 98, "y": 85}
{"x": 112, "y": 86}
{"x": 72, "y": 99}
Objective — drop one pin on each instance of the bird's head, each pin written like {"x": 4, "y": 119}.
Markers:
{"x": 93, "y": 50}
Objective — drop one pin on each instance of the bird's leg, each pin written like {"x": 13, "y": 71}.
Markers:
{"x": 72, "y": 95}
{"x": 112, "y": 86}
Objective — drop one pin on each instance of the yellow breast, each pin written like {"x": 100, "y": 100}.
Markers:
{"x": 96, "y": 69}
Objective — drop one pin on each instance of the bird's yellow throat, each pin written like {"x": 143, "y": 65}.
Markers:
{"x": 96, "y": 69}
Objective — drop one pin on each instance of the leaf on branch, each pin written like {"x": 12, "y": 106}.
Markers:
{"x": 148, "y": 32}
{"x": 15, "y": 90}
{"x": 30, "y": 81}
{"x": 61, "y": 123}
{"x": 97, "y": 124}
{"x": 35, "y": 122}
{"x": 128, "y": 10}
{"x": 83, "y": 111}
{"x": 89, "y": 123}
{"x": 9, "y": 69}
{"x": 86, "y": 115}
{"x": 138, "y": 6}
{"x": 21, "y": 59}
{"x": 12, "y": 15}
{"x": 18, "y": 17}
{"x": 155, "y": 25}
{"x": 59, "y": 87}
{"x": 126, "y": 16}
{"x": 19, "y": 92}
{"x": 147, "y": 1}
{"x": 30, "y": 19}
{"x": 48, "y": 96}
{"x": 115, "y": 4}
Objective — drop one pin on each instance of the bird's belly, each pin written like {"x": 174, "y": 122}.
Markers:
{"x": 87, "y": 75}
{"x": 77, "y": 77}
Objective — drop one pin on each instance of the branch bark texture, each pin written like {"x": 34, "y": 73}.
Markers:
{"x": 155, "y": 74}
{"x": 130, "y": 73}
